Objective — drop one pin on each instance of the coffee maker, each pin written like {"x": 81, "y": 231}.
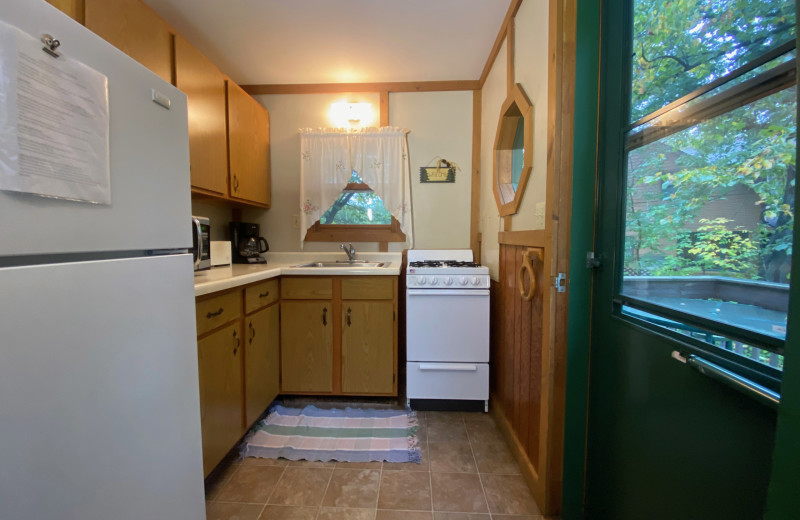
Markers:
{"x": 246, "y": 244}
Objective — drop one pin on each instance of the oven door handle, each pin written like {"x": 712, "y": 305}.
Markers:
{"x": 448, "y": 367}
{"x": 447, "y": 292}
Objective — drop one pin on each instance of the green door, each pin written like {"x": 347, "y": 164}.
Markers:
{"x": 694, "y": 224}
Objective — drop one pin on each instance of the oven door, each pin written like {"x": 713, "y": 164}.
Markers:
{"x": 450, "y": 325}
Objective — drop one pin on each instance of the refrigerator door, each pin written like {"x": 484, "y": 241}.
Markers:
{"x": 149, "y": 154}
{"x": 99, "y": 402}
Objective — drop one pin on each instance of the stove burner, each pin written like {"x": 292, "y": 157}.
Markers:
{"x": 426, "y": 263}
{"x": 455, "y": 263}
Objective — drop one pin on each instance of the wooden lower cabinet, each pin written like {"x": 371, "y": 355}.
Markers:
{"x": 306, "y": 347}
{"x": 220, "y": 367}
{"x": 339, "y": 335}
{"x": 238, "y": 350}
{"x": 262, "y": 353}
{"x": 368, "y": 347}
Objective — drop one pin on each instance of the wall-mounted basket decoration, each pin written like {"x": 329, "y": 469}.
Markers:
{"x": 444, "y": 171}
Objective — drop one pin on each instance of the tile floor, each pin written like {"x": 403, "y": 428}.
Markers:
{"x": 467, "y": 473}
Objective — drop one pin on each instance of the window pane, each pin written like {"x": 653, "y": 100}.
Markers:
{"x": 765, "y": 357}
{"x": 709, "y": 216}
{"x": 681, "y": 45}
{"x": 357, "y": 207}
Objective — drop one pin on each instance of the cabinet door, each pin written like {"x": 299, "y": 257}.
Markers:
{"x": 204, "y": 86}
{"x": 220, "y": 367}
{"x": 368, "y": 347}
{"x": 306, "y": 346}
{"x": 248, "y": 141}
{"x": 261, "y": 369}
{"x": 135, "y": 29}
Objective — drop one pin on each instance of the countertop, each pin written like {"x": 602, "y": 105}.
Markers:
{"x": 230, "y": 276}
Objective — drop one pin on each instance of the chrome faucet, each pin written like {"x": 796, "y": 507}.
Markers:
{"x": 351, "y": 252}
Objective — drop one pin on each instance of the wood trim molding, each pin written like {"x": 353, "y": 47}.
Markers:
{"x": 512, "y": 12}
{"x": 335, "y": 88}
{"x": 384, "y": 108}
{"x": 475, "y": 201}
{"x": 355, "y": 233}
{"x": 530, "y": 238}
{"x": 511, "y": 48}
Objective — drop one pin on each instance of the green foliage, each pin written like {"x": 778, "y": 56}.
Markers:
{"x": 357, "y": 208}
{"x": 679, "y": 46}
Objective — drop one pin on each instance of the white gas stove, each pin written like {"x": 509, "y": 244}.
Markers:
{"x": 447, "y": 326}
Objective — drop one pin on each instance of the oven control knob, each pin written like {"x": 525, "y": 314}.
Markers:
{"x": 421, "y": 280}
{"x": 463, "y": 280}
{"x": 448, "y": 280}
{"x": 475, "y": 280}
{"x": 433, "y": 280}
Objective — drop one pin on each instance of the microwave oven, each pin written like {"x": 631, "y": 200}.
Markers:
{"x": 201, "y": 243}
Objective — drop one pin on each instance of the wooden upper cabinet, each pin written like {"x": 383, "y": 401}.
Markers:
{"x": 135, "y": 29}
{"x": 204, "y": 86}
{"x": 248, "y": 142}
{"x": 72, "y": 8}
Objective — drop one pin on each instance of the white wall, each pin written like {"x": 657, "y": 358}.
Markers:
{"x": 492, "y": 98}
{"x": 441, "y": 125}
{"x": 530, "y": 68}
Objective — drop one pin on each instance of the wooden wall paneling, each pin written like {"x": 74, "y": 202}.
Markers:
{"x": 336, "y": 88}
{"x": 519, "y": 376}
{"x": 475, "y": 201}
{"x": 509, "y": 276}
{"x": 535, "y": 366}
{"x": 527, "y": 342}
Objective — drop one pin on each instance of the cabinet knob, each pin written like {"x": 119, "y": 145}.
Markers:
{"x": 348, "y": 316}
{"x": 325, "y": 316}
{"x": 236, "y": 339}
{"x": 252, "y": 332}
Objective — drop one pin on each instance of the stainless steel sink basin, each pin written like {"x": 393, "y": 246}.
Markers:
{"x": 343, "y": 263}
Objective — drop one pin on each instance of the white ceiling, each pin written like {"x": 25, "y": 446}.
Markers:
{"x": 339, "y": 41}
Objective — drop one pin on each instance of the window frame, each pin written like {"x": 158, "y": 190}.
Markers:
{"x": 382, "y": 233}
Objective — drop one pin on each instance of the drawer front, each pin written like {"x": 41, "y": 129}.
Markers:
{"x": 447, "y": 381}
{"x": 260, "y": 295}
{"x": 368, "y": 288}
{"x": 216, "y": 311}
{"x": 311, "y": 288}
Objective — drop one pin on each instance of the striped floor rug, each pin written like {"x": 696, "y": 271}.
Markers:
{"x": 349, "y": 435}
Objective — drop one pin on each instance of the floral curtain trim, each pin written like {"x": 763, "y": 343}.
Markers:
{"x": 378, "y": 155}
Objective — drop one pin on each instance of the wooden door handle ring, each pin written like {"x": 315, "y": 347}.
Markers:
{"x": 528, "y": 258}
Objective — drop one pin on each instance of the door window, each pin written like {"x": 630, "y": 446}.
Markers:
{"x": 710, "y": 172}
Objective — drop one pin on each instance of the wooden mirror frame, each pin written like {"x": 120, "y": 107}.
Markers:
{"x": 516, "y": 106}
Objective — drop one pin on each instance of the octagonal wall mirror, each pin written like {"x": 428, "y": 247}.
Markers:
{"x": 513, "y": 151}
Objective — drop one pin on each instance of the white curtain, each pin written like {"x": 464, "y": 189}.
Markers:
{"x": 324, "y": 172}
{"x": 378, "y": 155}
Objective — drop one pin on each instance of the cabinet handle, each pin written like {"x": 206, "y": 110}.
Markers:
{"x": 252, "y": 332}
{"x": 236, "y": 338}
{"x": 325, "y": 316}
{"x": 348, "y": 316}
{"x": 235, "y": 183}
{"x": 215, "y": 314}
{"x": 263, "y": 295}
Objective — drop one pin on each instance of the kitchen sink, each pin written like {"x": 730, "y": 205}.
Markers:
{"x": 343, "y": 263}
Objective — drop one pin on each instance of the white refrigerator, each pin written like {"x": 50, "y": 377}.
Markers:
{"x": 99, "y": 399}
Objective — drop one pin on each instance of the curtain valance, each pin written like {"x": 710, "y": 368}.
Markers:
{"x": 328, "y": 156}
